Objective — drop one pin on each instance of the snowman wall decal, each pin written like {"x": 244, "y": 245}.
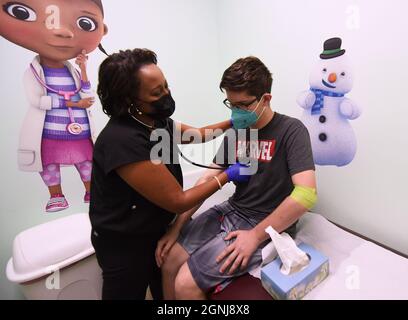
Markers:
{"x": 326, "y": 109}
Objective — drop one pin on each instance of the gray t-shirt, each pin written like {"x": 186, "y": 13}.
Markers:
{"x": 282, "y": 150}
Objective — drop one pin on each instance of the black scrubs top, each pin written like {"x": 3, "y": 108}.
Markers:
{"x": 116, "y": 208}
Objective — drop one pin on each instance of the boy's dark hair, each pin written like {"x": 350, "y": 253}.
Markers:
{"x": 119, "y": 82}
{"x": 247, "y": 74}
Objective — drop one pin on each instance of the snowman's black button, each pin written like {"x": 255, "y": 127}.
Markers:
{"x": 322, "y": 119}
{"x": 322, "y": 137}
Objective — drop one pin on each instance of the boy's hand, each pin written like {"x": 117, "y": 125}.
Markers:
{"x": 240, "y": 251}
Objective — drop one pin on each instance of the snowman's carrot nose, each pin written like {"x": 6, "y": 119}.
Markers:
{"x": 332, "y": 77}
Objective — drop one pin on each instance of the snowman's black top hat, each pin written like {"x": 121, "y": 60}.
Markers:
{"x": 332, "y": 49}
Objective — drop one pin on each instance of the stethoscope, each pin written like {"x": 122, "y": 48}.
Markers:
{"x": 178, "y": 150}
{"x": 196, "y": 164}
{"x": 73, "y": 127}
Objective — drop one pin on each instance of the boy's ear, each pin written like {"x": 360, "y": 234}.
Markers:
{"x": 105, "y": 29}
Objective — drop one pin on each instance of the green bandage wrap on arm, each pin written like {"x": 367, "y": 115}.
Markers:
{"x": 305, "y": 196}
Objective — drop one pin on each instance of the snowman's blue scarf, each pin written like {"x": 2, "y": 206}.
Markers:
{"x": 320, "y": 94}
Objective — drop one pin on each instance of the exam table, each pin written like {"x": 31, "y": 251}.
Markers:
{"x": 359, "y": 269}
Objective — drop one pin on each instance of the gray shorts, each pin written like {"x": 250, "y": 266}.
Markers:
{"x": 203, "y": 239}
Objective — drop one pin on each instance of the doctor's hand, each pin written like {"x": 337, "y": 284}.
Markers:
{"x": 165, "y": 244}
{"x": 238, "y": 173}
{"x": 239, "y": 252}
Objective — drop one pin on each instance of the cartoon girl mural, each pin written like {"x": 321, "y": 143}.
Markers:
{"x": 58, "y": 128}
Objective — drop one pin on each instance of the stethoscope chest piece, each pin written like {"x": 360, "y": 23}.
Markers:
{"x": 74, "y": 128}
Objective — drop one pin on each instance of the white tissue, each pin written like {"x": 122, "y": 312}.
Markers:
{"x": 293, "y": 259}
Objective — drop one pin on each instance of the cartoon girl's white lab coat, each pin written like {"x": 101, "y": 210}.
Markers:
{"x": 29, "y": 150}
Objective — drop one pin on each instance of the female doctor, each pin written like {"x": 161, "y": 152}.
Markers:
{"x": 134, "y": 193}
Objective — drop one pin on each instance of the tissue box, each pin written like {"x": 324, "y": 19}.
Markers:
{"x": 297, "y": 285}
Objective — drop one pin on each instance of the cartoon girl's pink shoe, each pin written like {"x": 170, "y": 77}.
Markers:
{"x": 57, "y": 203}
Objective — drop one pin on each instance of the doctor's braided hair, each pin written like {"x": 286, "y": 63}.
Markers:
{"x": 119, "y": 83}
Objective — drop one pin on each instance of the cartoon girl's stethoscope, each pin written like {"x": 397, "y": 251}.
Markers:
{"x": 73, "y": 127}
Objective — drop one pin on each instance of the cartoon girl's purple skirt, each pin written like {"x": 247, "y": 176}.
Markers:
{"x": 66, "y": 152}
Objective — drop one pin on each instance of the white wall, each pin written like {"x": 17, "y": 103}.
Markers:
{"x": 368, "y": 196}
{"x": 184, "y": 34}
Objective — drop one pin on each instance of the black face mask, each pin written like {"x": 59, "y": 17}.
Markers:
{"x": 163, "y": 108}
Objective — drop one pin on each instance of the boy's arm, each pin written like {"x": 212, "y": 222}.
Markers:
{"x": 247, "y": 241}
{"x": 289, "y": 211}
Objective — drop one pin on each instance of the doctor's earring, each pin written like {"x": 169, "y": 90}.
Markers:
{"x": 132, "y": 107}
